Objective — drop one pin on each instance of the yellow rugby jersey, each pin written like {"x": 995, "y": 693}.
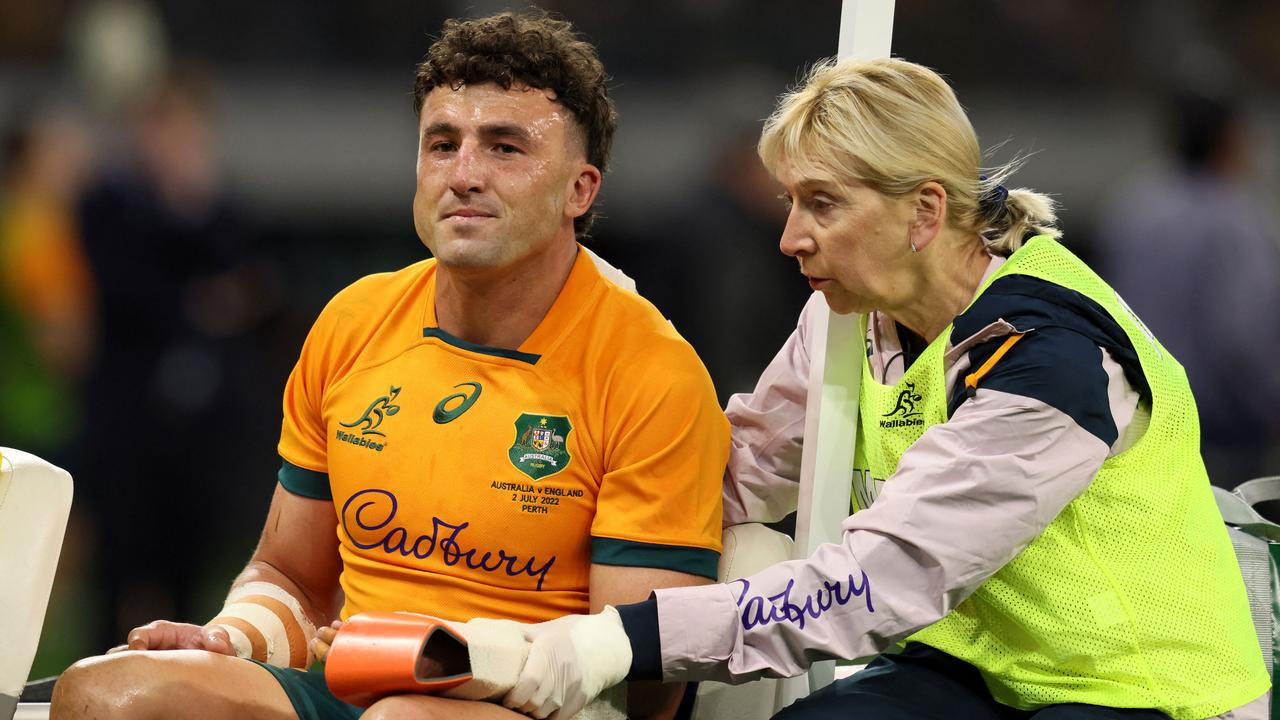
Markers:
{"x": 476, "y": 481}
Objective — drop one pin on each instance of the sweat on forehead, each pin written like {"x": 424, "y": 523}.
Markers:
{"x": 534, "y": 109}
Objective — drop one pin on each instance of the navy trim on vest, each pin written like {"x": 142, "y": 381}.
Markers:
{"x": 1058, "y": 363}
{"x": 1060, "y": 368}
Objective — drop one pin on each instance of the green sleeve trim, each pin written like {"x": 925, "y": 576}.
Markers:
{"x": 628, "y": 553}
{"x": 304, "y": 482}
{"x": 457, "y": 342}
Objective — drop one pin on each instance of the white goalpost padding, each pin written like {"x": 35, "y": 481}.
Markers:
{"x": 835, "y": 360}
{"x": 831, "y": 415}
{"x": 866, "y": 29}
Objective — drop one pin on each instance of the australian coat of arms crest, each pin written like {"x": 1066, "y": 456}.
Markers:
{"x": 540, "y": 448}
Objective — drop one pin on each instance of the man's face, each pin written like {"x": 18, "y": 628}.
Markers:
{"x": 852, "y": 241}
{"x": 497, "y": 174}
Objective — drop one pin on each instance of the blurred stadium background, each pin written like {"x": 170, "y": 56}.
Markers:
{"x": 186, "y": 183}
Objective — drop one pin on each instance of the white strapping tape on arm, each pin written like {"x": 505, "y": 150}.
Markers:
{"x": 266, "y": 623}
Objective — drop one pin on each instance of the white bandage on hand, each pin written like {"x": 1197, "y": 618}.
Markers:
{"x": 496, "y": 650}
{"x": 266, "y": 623}
{"x": 571, "y": 661}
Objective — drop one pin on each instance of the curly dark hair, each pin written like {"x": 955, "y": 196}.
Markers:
{"x": 528, "y": 48}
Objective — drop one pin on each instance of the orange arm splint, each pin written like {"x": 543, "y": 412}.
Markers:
{"x": 376, "y": 654}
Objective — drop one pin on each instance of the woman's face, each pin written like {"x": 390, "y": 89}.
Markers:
{"x": 852, "y": 242}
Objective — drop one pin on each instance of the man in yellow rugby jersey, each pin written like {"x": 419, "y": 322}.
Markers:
{"x": 499, "y": 431}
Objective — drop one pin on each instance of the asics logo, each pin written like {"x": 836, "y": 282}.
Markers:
{"x": 444, "y": 414}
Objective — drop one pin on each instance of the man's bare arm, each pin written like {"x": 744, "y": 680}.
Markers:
{"x": 298, "y": 553}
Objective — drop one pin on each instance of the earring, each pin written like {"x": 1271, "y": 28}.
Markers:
{"x": 913, "y": 246}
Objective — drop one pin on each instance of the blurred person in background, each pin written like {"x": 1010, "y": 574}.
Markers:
{"x": 47, "y": 312}
{"x": 1193, "y": 249}
{"x": 175, "y": 398}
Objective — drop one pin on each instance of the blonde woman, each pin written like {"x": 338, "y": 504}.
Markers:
{"x": 1032, "y": 516}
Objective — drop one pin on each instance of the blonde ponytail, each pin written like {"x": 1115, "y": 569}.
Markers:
{"x": 1006, "y": 218}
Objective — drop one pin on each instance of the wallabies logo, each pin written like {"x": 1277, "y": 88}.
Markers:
{"x": 904, "y": 412}
{"x": 907, "y": 400}
{"x": 378, "y": 410}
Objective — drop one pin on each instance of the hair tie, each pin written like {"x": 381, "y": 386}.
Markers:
{"x": 992, "y": 203}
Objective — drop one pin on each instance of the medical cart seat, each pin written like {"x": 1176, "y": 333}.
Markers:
{"x": 35, "y": 499}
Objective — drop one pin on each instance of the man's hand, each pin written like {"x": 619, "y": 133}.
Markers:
{"x": 165, "y": 635}
{"x": 571, "y": 660}
{"x": 323, "y": 640}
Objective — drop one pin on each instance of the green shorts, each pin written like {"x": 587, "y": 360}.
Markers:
{"x": 310, "y": 695}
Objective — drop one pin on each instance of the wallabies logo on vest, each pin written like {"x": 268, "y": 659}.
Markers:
{"x": 378, "y": 410}
{"x": 539, "y": 449}
{"x": 905, "y": 409}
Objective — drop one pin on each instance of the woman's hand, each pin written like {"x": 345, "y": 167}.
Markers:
{"x": 571, "y": 660}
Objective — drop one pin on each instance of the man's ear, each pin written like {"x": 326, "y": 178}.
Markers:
{"x": 583, "y": 191}
{"x": 928, "y": 213}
